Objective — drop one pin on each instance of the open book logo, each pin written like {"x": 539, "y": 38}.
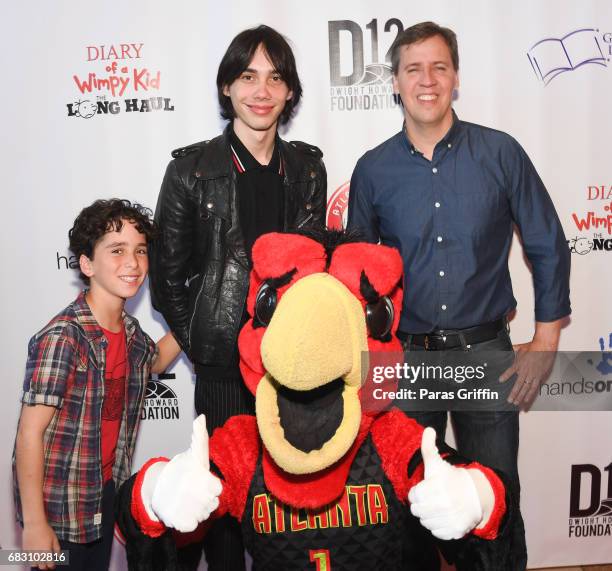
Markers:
{"x": 553, "y": 56}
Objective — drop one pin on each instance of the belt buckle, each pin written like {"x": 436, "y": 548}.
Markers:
{"x": 439, "y": 339}
{"x": 426, "y": 342}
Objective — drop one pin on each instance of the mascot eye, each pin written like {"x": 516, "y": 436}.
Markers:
{"x": 379, "y": 318}
{"x": 265, "y": 303}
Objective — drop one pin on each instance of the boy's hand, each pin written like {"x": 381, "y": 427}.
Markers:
{"x": 447, "y": 500}
{"x": 40, "y": 537}
{"x": 186, "y": 492}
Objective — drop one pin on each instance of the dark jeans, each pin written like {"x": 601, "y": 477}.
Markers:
{"x": 220, "y": 393}
{"x": 94, "y": 556}
{"x": 489, "y": 437}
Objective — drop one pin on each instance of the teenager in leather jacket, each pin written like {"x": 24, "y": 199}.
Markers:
{"x": 216, "y": 198}
{"x": 199, "y": 266}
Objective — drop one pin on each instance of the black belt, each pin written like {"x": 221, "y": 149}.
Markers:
{"x": 442, "y": 339}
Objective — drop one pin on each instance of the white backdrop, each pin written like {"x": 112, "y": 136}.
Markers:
{"x": 58, "y": 159}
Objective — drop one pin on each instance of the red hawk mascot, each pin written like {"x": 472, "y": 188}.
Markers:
{"x": 317, "y": 480}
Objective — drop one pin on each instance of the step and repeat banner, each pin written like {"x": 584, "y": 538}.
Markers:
{"x": 96, "y": 95}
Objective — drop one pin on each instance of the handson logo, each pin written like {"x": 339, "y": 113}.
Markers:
{"x": 604, "y": 366}
{"x": 161, "y": 402}
{"x": 551, "y": 57}
{"x": 358, "y": 80}
{"x": 114, "y": 80}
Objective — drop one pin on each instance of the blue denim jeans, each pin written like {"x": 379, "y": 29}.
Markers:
{"x": 489, "y": 437}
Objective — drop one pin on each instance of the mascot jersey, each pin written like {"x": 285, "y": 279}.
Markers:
{"x": 319, "y": 478}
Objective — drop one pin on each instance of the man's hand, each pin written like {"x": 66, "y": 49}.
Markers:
{"x": 40, "y": 537}
{"x": 447, "y": 501}
{"x": 532, "y": 363}
{"x": 185, "y": 492}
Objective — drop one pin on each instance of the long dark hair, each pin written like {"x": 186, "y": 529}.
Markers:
{"x": 238, "y": 57}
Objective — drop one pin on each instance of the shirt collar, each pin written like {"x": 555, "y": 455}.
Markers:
{"x": 245, "y": 161}
{"x": 449, "y": 140}
{"x": 452, "y": 134}
{"x": 89, "y": 324}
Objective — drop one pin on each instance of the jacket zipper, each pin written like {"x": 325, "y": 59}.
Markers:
{"x": 195, "y": 308}
{"x": 192, "y": 278}
{"x": 305, "y": 220}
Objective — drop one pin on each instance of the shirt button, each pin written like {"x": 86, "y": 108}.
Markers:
{"x": 441, "y": 273}
{"x": 209, "y": 205}
{"x": 439, "y": 238}
{"x": 412, "y": 152}
{"x": 437, "y": 205}
{"x": 434, "y": 170}
{"x": 449, "y": 145}
{"x": 444, "y": 308}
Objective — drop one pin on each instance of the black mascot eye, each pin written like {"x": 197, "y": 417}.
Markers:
{"x": 265, "y": 303}
{"x": 379, "y": 318}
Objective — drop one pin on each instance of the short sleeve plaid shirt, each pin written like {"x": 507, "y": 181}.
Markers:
{"x": 65, "y": 369}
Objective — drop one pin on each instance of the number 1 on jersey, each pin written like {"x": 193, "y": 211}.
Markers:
{"x": 320, "y": 557}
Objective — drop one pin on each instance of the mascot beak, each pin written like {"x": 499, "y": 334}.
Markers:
{"x": 317, "y": 334}
{"x": 307, "y": 404}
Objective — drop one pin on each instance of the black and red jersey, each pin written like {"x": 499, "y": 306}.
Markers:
{"x": 362, "y": 529}
{"x": 366, "y": 524}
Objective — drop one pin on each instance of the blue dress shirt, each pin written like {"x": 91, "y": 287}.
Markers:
{"x": 452, "y": 219}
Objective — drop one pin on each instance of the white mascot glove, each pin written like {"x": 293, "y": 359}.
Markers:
{"x": 182, "y": 493}
{"x": 448, "y": 500}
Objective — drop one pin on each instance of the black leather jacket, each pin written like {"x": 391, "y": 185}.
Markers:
{"x": 199, "y": 267}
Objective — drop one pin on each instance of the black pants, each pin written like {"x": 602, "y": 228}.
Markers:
{"x": 94, "y": 556}
{"x": 489, "y": 437}
{"x": 219, "y": 394}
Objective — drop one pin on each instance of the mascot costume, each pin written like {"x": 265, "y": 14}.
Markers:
{"x": 318, "y": 480}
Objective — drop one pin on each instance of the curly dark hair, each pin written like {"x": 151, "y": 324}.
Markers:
{"x": 104, "y": 216}
{"x": 238, "y": 57}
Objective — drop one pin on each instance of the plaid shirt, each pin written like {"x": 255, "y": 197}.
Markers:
{"x": 66, "y": 369}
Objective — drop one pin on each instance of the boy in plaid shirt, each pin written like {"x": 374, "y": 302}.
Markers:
{"x": 84, "y": 388}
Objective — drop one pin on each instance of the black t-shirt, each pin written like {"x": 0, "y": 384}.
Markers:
{"x": 260, "y": 192}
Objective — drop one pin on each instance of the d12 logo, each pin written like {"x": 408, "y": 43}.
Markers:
{"x": 361, "y": 73}
{"x": 358, "y": 79}
{"x": 584, "y": 475}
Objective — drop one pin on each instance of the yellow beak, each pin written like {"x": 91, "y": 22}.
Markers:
{"x": 317, "y": 335}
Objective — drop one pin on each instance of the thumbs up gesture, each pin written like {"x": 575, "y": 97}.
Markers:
{"x": 183, "y": 492}
{"x": 448, "y": 500}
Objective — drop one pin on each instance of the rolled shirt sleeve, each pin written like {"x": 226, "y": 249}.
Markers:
{"x": 542, "y": 235}
{"x": 50, "y": 364}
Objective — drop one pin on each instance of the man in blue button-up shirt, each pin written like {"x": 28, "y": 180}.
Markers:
{"x": 446, "y": 193}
